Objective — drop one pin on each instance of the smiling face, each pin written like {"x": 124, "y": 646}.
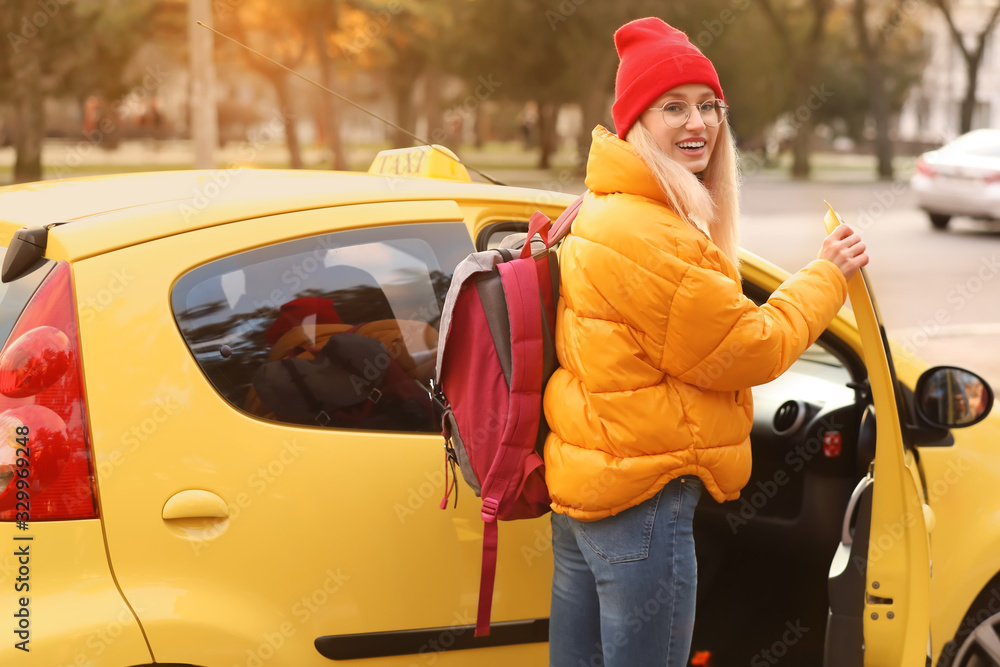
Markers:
{"x": 691, "y": 144}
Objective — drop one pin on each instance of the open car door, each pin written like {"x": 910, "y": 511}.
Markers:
{"x": 880, "y": 576}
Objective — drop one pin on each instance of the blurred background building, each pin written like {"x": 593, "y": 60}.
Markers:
{"x": 933, "y": 111}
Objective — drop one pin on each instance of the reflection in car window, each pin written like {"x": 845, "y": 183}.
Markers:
{"x": 338, "y": 330}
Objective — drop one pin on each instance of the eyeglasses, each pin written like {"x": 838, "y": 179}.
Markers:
{"x": 676, "y": 112}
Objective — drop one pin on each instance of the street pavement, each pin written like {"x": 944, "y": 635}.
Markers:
{"x": 938, "y": 292}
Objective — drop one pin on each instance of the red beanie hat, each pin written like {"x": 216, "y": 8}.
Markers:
{"x": 654, "y": 58}
{"x": 296, "y": 311}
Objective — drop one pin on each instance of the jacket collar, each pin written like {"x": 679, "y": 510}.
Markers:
{"x": 614, "y": 166}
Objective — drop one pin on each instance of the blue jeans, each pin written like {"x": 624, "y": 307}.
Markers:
{"x": 623, "y": 590}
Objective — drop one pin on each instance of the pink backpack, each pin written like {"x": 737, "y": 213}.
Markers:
{"x": 495, "y": 355}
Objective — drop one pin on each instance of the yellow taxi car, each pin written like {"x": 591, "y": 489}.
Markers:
{"x": 177, "y": 488}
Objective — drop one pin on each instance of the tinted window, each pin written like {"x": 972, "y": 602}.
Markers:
{"x": 338, "y": 330}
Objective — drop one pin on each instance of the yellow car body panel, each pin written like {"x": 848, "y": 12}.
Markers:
{"x": 959, "y": 481}
{"x": 202, "y": 601}
{"x": 897, "y": 593}
{"x": 965, "y": 544}
{"x": 111, "y": 212}
{"x": 76, "y": 614}
{"x": 164, "y": 440}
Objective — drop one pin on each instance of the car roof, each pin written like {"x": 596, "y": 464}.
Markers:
{"x": 974, "y": 138}
{"x": 113, "y": 211}
{"x": 982, "y": 131}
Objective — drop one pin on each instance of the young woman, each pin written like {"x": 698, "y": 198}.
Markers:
{"x": 658, "y": 348}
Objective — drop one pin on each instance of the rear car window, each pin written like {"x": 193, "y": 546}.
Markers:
{"x": 338, "y": 330}
{"x": 15, "y": 295}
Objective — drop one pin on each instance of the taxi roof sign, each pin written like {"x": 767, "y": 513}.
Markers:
{"x": 434, "y": 161}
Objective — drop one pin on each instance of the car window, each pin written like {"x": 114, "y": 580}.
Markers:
{"x": 820, "y": 367}
{"x": 820, "y": 362}
{"x": 817, "y": 376}
{"x": 338, "y": 330}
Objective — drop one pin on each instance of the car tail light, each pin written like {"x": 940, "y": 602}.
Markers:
{"x": 925, "y": 169}
{"x": 992, "y": 178}
{"x": 42, "y": 407}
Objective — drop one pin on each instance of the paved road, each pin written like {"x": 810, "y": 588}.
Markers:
{"x": 938, "y": 292}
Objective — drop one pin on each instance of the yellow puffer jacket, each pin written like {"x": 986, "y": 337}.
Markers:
{"x": 658, "y": 347}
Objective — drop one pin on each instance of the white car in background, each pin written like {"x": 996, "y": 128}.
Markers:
{"x": 960, "y": 178}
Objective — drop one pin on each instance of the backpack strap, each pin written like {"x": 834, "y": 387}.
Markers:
{"x": 488, "y": 575}
{"x": 522, "y": 288}
{"x": 562, "y": 225}
{"x": 551, "y": 232}
{"x": 312, "y": 403}
{"x": 538, "y": 224}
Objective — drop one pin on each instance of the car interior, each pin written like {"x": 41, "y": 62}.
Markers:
{"x": 763, "y": 560}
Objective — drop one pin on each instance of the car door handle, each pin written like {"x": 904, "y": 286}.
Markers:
{"x": 195, "y": 504}
{"x": 846, "y": 536}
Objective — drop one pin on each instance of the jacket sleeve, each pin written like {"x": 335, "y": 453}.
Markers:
{"x": 718, "y": 339}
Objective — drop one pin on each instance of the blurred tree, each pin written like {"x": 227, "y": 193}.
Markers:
{"x": 893, "y": 57}
{"x": 584, "y": 35}
{"x": 24, "y": 88}
{"x": 115, "y": 31}
{"x": 754, "y": 72}
{"x": 973, "y": 57}
{"x": 842, "y": 70}
{"x": 575, "y": 60}
{"x": 63, "y": 49}
{"x": 800, "y": 28}
{"x": 321, "y": 20}
{"x": 533, "y": 65}
{"x": 871, "y": 48}
{"x": 282, "y": 33}
{"x": 402, "y": 42}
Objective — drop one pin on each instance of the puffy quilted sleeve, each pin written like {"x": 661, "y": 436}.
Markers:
{"x": 719, "y": 339}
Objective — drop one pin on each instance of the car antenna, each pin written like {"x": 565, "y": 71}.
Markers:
{"x": 354, "y": 104}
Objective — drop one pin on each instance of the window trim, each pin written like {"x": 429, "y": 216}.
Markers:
{"x": 513, "y": 226}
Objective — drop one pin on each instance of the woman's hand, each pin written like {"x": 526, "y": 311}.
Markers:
{"x": 844, "y": 248}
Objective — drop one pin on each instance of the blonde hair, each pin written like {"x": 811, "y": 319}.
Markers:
{"x": 710, "y": 203}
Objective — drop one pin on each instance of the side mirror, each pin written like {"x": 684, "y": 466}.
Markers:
{"x": 950, "y": 397}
